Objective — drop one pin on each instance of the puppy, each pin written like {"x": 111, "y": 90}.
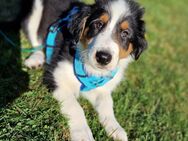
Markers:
{"x": 93, "y": 46}
{"x": 89, "y": 52}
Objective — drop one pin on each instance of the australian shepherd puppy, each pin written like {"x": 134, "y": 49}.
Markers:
{"x": 90, "y": 55}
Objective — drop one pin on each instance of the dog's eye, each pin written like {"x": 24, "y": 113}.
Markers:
{"x": 124, "y": 34}
{"x": 98, "y": 24}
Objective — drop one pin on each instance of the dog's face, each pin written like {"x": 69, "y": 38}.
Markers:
{"x": 113, "y": 31}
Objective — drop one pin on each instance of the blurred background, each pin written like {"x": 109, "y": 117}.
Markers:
{"x": 151, "y": 103}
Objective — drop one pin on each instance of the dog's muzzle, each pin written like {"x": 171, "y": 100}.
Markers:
{"x": 103, "y": 57}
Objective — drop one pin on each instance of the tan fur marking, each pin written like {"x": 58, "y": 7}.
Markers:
{"x": 84, "y": 43}
{"x": 84, "y": 23}
{"x": 124, "y": 53}
{"x": 83, "y": 39}
{"x": 124, "y": 25}
{"x": 104, "y": 17}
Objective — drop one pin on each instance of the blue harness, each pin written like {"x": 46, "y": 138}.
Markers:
{"x": 88, "y": 82}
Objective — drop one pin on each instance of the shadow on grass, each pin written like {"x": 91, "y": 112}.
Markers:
{"x": 13, "y": 80}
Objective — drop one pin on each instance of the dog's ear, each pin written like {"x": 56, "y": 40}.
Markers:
{"x": 139, "y": 46}
{"x": 139, "y": 42}
{"x": 77, "y": 22}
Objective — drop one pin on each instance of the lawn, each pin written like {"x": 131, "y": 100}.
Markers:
{"x": 151, "y": 103}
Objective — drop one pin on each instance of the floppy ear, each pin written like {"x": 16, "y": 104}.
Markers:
{"x": 77, "y": 22}
{"x": 139, "y": 46}
{"x": 139, "y": 42}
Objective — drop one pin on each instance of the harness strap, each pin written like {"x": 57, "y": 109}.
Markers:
{"x": 50, "y": 42}
{"x": 53, "y": 31}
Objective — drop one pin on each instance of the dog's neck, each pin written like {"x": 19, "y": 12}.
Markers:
{"x": 89, "y": 82}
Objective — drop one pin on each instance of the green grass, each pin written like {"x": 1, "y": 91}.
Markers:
{"x": 151, "y": 104}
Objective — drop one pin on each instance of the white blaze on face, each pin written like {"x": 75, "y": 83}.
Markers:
{"x": 104, "y": 41}
{"x": 118, "y": 9}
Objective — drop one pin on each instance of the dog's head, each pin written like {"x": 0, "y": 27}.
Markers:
{"x": 109, "y": 32}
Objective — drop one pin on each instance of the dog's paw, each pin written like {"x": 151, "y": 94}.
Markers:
{"x": 119, "y": 134}
{"x": 114, "y": 130}
{"x": 81, "y": 134}
{"x": 36, "y": 60}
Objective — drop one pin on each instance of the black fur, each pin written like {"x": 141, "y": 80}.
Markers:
{"x": 93, "y": 30}
{"x": 52, "y": 11}
{"x": 139, "y": 42}
{"x": 77, "y": 24}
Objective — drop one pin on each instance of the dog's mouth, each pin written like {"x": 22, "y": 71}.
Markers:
{"x": 101, "y": 67}
{"x": 98, "y": 62}
{"x": 97, "y": 69}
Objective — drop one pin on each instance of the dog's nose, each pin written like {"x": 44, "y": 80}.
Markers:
{"x": 103, "y": 57}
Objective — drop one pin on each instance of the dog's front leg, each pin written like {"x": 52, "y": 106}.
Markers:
{"x": 79, "y": 129}
{"x": 103, "y": 104}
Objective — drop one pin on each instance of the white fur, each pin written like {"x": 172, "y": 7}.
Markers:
{"x": 118, "y": 9}
{"x": 66, "y": 94}
{"x": 102, "y": 102}
{"x": 34, "y": 22}
{"x": 68, "y": 87}
{"x": 104, "y": 41}
{"x": 68, "y": 91}
{"x": 37, "y": 58}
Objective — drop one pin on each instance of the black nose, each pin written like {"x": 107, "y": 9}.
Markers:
{"x": 103, "y": 57}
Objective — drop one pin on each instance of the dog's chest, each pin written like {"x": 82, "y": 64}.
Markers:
{"x": 65, "y": 78}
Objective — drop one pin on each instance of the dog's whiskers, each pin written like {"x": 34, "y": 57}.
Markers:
{"x": 84, "y": 55}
